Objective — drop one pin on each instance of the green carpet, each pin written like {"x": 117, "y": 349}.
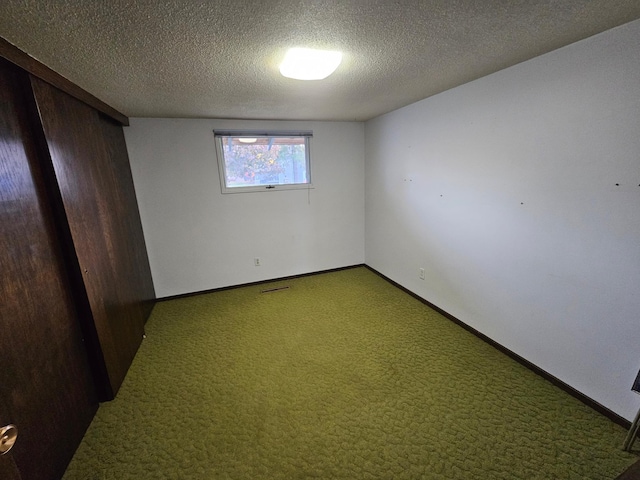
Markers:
{"x": 343, "y": 376}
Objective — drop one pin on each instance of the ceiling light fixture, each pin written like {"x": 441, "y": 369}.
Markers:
{"x": 309, "y": 64}
{"x": 247, "y": 140}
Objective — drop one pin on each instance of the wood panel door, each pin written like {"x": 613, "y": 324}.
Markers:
{"x": 8, "y": 467}
{"x": 46, "y": 388}
{"x": 89, "y": 160}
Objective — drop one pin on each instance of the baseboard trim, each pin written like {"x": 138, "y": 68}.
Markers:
{"x": 261, "y": 282}
{"x": 598, "y": 407}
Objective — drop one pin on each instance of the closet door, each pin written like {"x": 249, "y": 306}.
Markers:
{"x": 90, "y": 164}
{"x": 8, "y": 468}
{"x": 46, "y": 388}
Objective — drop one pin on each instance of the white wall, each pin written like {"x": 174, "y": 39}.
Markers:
{"x": 199, "y": 239}
{"x": 504, "y": 190}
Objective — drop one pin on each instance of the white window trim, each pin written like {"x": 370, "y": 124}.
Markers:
{"x": 262, "y": 133}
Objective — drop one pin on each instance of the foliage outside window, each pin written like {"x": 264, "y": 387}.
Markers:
{"x": 263, "y": 161}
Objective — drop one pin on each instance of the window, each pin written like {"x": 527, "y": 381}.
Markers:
{"x": 251, "y": 161}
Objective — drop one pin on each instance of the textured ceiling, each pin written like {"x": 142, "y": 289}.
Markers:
{"x": 219, "y": 59}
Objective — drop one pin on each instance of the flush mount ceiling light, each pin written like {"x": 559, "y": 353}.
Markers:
{"x": 309, "y": 64}
{"x": 247, "y": 140}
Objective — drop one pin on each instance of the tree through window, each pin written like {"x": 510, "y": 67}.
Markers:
{"x": 251, "y": 161}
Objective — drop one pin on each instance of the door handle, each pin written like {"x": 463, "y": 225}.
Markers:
{"x": 8, "y": 436}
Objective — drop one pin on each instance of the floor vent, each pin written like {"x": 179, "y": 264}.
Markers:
{"x": 275, "y": 289}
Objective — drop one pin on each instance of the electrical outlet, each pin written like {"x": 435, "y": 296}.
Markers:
{"x": 422, "y": 274}
{"x": 256, "y": 261}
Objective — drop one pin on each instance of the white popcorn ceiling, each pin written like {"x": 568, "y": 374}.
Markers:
{"x": 219, "y": 59}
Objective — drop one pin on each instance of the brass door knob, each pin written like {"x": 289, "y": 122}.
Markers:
{"x": 8, "y": 436}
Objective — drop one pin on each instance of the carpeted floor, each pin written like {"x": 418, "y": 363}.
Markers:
{"x": 342, "y": 376}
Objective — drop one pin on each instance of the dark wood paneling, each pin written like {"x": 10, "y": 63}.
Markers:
{"x": 45, "y": 380}
{"x": 33, "y": 66}
{"x": 8, "y": 468}
{"x": 132, "y": 265}
{"x": 632, "y": 473}
{"x": 91, "y": 169}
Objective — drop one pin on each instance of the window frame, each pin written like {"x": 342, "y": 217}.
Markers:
{"x": 220, "y": 134}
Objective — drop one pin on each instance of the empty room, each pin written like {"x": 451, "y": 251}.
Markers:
{"x": 320, "y": 239}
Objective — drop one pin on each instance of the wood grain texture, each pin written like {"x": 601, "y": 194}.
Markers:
{"x": 34, "y": 67}
{"x": 632, "y": 473}
{"x": 45, "y": 380}
{"x": 133, "y": 262}
{"x": 8, "y": 468}
{"x": 91, "y": 168}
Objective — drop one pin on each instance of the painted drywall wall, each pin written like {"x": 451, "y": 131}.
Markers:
{"x": 519, "y": 194}
{"x": 200, "y": 239}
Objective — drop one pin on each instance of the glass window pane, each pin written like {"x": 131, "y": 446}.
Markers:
{"x": 264, "y": 160}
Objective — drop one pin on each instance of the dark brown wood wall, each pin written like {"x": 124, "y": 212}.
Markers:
{"x": 46, "y": 385}
{"x": 90, "y": 165}
{"x": 75, "y": 284}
